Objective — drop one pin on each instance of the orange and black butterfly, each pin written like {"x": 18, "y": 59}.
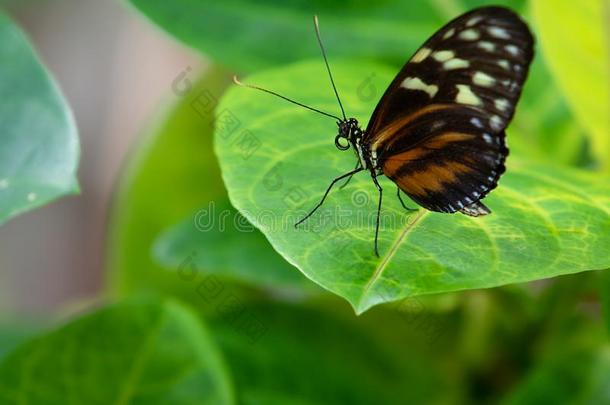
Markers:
{"x": 438, "y": 131}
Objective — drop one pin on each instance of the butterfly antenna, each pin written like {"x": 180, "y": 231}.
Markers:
{"x": 317, "y": 27}
{"x": 237, "y": 82}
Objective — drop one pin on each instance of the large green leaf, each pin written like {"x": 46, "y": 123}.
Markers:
{"x": 328, "y": 356}
{"x": 575, "y": 42}
{"x": 221, "y": 241}
{"x": 576, "y": 377}
{"x": 13, "y": 333}
{"x": 388, "y": 30}
{"x": 604, "y": 294}
{"x": 138, "y": 352}
{"x": 38, "y": 138}
{"x": 547, "y": 220}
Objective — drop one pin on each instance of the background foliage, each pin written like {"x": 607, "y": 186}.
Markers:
{"x": 39, "y": 151}
{"x": 222, "y": 316}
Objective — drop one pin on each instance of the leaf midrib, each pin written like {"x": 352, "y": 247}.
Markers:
{"x": 391, "y": 252}
{"x": 140, "y": 359}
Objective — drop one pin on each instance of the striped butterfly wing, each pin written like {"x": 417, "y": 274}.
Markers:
{"x": 438, "y": 131}
{"x": 449, "y": 159}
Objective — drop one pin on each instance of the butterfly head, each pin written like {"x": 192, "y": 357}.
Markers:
{"x": 349, "y": 134}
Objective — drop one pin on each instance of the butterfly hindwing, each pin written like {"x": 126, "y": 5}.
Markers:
{"x": 446, "y": 159}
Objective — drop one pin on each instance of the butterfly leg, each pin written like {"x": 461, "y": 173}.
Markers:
{"x": 402, "y": 202}
{"x": 350, "y": 177}
{"x": 349, "y": 174}
{"x": 378, "y": 215}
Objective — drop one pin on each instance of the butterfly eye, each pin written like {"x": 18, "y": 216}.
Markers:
{"x": 341, "y": 142}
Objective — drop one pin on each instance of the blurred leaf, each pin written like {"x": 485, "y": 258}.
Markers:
{"x": 575, "y": 377}
{"x": 604, "y": 293}
{"x": 574, "y": 40}
{"x": 12, "y": 333}
{"x": 311, "y": 356}
{"x": 547, "y": 220}
{"x": 544, "y": 128}
{"x": 172, "y": 172}
{"x": 153, "y": 352}
{"x": 179, "y": 157}
{"x": 38, "y": 141}
{"x": 223, "y": 242}
{"x": 388, "y": 30}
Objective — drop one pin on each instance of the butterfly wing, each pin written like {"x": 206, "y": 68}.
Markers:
{"x": 438, "y": 131}
{"x": 455, "y": 160}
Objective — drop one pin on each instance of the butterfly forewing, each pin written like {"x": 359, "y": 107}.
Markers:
{"x": 438, "y": 131}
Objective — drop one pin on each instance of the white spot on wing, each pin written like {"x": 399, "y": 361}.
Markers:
{"x": 512, "y": 49}
{"x": 487, "y": 138}
{"x": 498, "y": 32}
{"x": 504, "y": 64}
{"x": 466, "y": 96}
{"x": 449, "y": 33}
{"x": 421, "y": 55}
{"x": 496, "y": 123}
{"x": 476, "y": 122}
{"x": 415, "y": 83}
{"x": 487, "y": 46}
{"x": 483, "y": 79}
{"x": 469, "y": 35}
{"x": 473, "y": 21}
{"x": 456, "y": 63}
{"x": 443, "y": 56}
{"x": 501, "y": 104}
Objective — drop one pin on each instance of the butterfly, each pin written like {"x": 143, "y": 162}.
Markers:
{"x": 438, "y": 131}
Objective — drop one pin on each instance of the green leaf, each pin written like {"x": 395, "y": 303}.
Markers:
{"x": 38, "y": 139}
{"x": 252, "y": 28}
{"x": 13, "y": 333}
{"x": 604, "y": 293}
{"x": 574, "y": 41}
{"x": 137, "y": 352}
{"x": 547, "y": 220}
{"x": 223, "y": 242}
{"x": 328, "y": 356}
{"x": 544, "y": 128}
{"x": 387, "y": 31}
{"x": 577, "y": 377}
